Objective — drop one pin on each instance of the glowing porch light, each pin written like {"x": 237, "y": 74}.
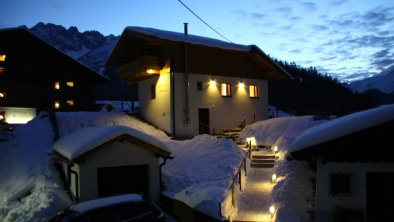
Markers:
{"x": 212, "y": 83}
{"x": 57, "y": 105}
{"x": 2, "y": 58}
{"x": 272, "y": 210}
{"x": 153, "y": 71}
{"x": 241, "y": 85}
{"x": 274, "y": 178}
{"x": 251, "y": 140}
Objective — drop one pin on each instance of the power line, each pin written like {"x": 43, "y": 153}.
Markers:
{"x": 204, "y": 21}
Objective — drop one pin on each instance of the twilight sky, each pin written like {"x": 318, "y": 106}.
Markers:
{"x": 349, "y": 39}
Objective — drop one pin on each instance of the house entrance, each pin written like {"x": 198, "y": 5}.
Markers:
{"x": 203, "y": 121}
{"x": 380, "y": 192}
{"x": 122, "y": 179}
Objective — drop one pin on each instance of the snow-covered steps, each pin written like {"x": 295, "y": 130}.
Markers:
{"x": 262, "y": 160}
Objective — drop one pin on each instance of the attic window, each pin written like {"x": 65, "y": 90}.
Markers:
{"x": 70, "y": 84}
{"x": 340, "y": 184}
{"x": 70, "y": 102}
{"x": 57, "y": 105}
{"x": 253, "y": 91}
{"x": 2, "y": 58}
{"x": 226, "y": 89}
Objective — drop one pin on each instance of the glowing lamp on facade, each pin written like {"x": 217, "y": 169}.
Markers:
{"x": 212, "y": 83}
{"x": 57, "y": 105}
{"x": 274, "y": 178}
{"x": 241, "y": 85}
{"x": 57, "y": 85}
{"x": 272, "y": 210}
{"x": 153, "y": 71}
{"x": 251, "y": 140}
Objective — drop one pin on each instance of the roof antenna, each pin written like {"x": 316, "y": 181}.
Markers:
{"x": 185, "y": 28}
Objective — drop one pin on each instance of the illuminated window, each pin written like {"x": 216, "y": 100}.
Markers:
{"x": 70, "y": 84}
{"x": 70, "y": 102}
{"x": 253, "y": 91}
{"x": 2, "y": 58}
{"x": 226, "y": 89}
{"x": 153, "y": 91}
{"x": 2, "y": 94}
{"x": 57, "y": 85}
{"x": 57, "y": 105}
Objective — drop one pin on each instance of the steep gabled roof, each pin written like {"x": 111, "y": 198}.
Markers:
{"x": 77, "y": 144}
{"x": 206, "y": 55}
{"x": 23, "y": 33}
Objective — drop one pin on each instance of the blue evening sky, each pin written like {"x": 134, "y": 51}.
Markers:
{"x": 349, "y": 39}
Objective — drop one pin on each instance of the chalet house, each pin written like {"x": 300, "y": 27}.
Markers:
{"x": 355, "y": 168}
{"x": 190, "y": 85}
{"x": 102, "y": 161}
{"x": 35, "y": 76}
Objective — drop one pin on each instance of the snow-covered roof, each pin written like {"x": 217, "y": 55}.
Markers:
{"x": 343, "y": 126}
{"x": 89, "y": 138}
{"x": 191, "y": 39}
{"x": 106, "y": 201}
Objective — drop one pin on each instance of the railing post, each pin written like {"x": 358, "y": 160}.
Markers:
{"x": 240, "y": 180}
{"x": 232, "y": 196}
{"x": 245, "y": 165}
{"x": 250, "y": 149}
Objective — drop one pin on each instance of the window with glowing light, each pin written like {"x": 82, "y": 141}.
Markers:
{"x": 70, "y": 102}
{"x": 2, "y": 94}
{"x": 57, "y": 85}
{"x": 226, "y": 89}
{"x": 253, "y": 91}
{"x": 70, "y": 84}
{"x": 2, "y": 58}
{"x": 2, "y": 116}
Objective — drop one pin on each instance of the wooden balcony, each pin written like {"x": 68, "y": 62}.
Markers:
{"x": 141, "y": 68}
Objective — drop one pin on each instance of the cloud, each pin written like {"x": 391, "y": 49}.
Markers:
{"x": 319, "y": 28}
{"x": 285, "y": 10}
{"x": 257, "y": 16}
{"x": 309, "y": 6}
{"x": 381, "y": 54}
{"x": 241, "y": 14}
{"x": 338, "y": 2}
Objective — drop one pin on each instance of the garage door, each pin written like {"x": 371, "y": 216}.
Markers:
{"x": 122, "y": 179}
{"x": 380, "y": 196}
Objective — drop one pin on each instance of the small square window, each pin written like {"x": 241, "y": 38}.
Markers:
{"x": 199, "y": 86}
{"x": 70, "y": 102}
{"x": 57, "y": 105}
{"x": 253, "y": 91}
{"x": 153, "y": 91}
{"x": 2, "y": 94}
{"x": 2, "y": 58}
{"x": 1, "y": 70}
{"x": 226, "y": 89}
{"x": 340, "y": 184}
{"x": 70, "y": 84}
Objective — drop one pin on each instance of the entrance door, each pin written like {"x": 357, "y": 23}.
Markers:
{"x": 122, "y": 179}
{"x": 380, "y": 195}
{"x": 203, "y": 121}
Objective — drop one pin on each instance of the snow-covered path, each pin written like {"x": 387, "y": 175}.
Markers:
{"x": 255, "y": 200}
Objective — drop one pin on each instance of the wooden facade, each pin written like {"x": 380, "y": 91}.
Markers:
{"x": 35, "y": 74}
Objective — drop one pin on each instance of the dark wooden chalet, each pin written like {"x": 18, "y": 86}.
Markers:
{"x": 34, "y": 74}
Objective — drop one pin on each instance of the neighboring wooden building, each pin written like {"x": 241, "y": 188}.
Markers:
{"x": 102, "y": 161}
{"x": 189, "y": 85}
{"x": 35, "y": 76}
{"x": 355, "y": 168}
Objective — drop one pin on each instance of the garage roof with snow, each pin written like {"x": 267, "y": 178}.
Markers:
{"x": 87, "y": 139}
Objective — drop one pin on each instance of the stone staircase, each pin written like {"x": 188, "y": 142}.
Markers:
{"x": 262, "y": 160}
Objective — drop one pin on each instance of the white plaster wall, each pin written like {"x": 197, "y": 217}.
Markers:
{"x": 156, "y": 111}
{"x": 326, "y": 203}
{"x": 225, "y": 112}
{"x": 117, "y": 154}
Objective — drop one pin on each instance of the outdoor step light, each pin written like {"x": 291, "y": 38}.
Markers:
{"x": 274, "y": 178}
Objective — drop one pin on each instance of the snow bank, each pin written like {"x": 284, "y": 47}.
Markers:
{"x": 201, "y": 172}
{"x": 29, "y": 187}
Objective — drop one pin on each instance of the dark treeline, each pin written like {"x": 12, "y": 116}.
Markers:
{"x": 313, "y": 93}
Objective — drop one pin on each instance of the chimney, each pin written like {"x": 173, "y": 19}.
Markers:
{"x": 185, "y": 28}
